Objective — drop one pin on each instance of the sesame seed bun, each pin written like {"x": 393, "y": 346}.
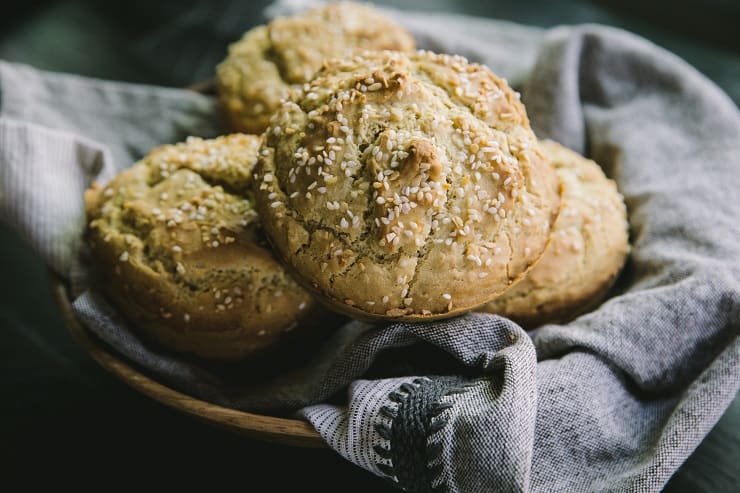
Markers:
{"x": 405, "y": 186}
{"x": 587, "y": 250}
{"x": 179, "y": 250}
{"x": 271, "y": 61}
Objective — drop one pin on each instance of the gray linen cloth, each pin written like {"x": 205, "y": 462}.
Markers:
{"x": 614, "y": 401}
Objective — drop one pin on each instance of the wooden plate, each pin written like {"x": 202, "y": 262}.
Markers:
{"x": 269, "y": 428}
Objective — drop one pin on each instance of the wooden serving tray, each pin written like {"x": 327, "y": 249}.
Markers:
{"x": 292, "y": 432}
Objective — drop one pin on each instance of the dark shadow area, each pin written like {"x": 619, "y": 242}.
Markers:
{"x": 712, "y": 21}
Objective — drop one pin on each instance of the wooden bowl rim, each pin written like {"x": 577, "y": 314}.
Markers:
{"x": 286, "y": 431}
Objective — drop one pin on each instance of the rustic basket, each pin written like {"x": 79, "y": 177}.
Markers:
{"x": 269, "y": 428}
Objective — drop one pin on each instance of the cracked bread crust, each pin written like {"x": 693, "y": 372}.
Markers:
{"x": 178, "y": 248}
{"x": 405, "y": 186}
{"x": 269, "y": 61}
{"x": 588, "y": 248}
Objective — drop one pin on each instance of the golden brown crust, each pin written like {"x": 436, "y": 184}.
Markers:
{"x": 587, "y": 250}
{"x": 405, "y": 186}
{"x": 270, "y": 61}
{"x": 178, "y": 247}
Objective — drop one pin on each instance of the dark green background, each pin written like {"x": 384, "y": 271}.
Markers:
{"x": 64, "y": 420}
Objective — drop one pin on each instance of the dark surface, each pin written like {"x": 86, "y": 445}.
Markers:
{"x": 64, "y": 419}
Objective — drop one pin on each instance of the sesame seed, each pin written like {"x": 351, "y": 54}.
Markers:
{"x": 186, "y": 318}
{"x": 180, "y": 268}
{"x": 302, "y": 305}
{"x": 385, "y": 300}
{"x": 177, "y": 249}
{"x": 447, "y": 296}
{"x": 215, "y": 244}
{"x": 276, "y": 204}
{"x": 124, "y": 257}
{"x": 475, "y": 258}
